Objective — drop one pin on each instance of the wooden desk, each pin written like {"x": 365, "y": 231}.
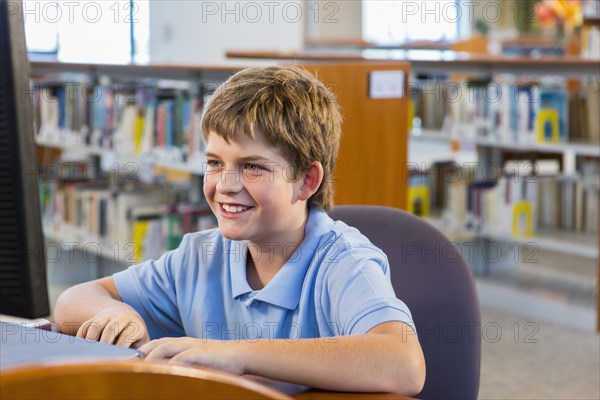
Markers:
{"x": 143, "y": 380}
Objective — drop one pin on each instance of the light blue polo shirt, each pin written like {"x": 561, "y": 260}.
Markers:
{"x": 335, "y": 283}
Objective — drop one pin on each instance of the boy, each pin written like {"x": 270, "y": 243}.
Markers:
{"x": 279, "y": 289}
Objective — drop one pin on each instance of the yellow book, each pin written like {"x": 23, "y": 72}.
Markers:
{"x": 547, "y": 125}
{"x": 138, "y": 134}
{"x": 418, "y": 200}
{"x": 522, "y": 219}
{"x": 138, "y": 234}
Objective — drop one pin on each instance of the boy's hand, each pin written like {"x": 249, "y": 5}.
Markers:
{"x": 116, "y": 325}
{"x": 223, "y": 355}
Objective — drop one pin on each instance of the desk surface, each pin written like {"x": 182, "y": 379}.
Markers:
{"x": 140, "y": 380}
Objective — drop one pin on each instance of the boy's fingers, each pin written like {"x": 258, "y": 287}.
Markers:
{"x": 110, "y": 332}
{"x": 165, "y": 350}
{"x": 82, "y": 331}
{"x": 186, "y": 357}
{"x": 141, "y": 342}
{"x": 95, "y": 329}
{"x": 148, "y": 347}
{"x": 128, "y": 335}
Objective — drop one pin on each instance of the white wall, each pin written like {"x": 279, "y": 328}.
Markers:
{"x": 333, "y": 19}
{"x": 199, "y": 32}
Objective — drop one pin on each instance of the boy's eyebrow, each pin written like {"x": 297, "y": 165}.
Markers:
{"x": 255, "y": 158}
{"x": 243, "y": 159}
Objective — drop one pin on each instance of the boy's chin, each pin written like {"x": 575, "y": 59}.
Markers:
{"x": 227, "y": 234}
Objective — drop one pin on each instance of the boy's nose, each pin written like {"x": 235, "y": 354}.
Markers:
{"x": 229, "y": 181}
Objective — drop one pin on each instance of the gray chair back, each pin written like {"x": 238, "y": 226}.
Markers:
{"x": 430, "y": 275}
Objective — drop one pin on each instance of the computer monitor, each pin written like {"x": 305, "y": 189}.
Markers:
{"x": 23, "y": 287}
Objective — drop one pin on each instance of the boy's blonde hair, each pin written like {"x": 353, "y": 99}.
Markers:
{"x": 297, "y": 114}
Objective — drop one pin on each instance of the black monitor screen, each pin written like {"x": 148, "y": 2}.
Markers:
{"x": 23, "y": 287}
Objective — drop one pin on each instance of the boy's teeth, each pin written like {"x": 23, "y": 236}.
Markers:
{"x": 234, "y": 209}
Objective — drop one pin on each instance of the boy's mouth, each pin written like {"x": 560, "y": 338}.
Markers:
{"x": 233, "y": 209}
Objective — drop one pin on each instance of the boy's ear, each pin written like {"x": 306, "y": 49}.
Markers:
{"x": 311, "y": 181}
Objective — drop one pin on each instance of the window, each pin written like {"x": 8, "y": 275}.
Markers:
{"x": 104, "y": 31}
{"x": 41, "y": 33}
{"x": 400, "y": 21}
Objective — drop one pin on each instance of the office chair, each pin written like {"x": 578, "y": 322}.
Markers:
{"x": 430, "y": 275}
{"x": 128, "y": 380}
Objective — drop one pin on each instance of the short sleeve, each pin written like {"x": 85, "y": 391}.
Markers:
{"x": 150, "y": 288}
{"x": 360, "y": 296}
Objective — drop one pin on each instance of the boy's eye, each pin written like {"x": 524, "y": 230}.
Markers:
{"x": 251, "y": 166}
{"x": 213, "y": 164}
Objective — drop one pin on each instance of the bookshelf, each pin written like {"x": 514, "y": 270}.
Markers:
{"x": 66, "y": 145}
{"x": 197, "y": 168}
{"x": 579, "y": 149}
{"x": 94, "y": 248}
{"x": 484, "y": 66}
{"x": 577, "y": 244}
{"x": 447, "y": 61}
{"x": 159, "y": 166}
{"x": 572, "y": 155}
{"x": 155, "y": 192}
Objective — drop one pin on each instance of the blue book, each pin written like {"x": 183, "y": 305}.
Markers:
{"x": 557, "y": 99}
{"x": 514, "y": 112}
{"x": 62, "y": 107}
{"x": 187, "y": 111}
{"x": 99, "y": 110}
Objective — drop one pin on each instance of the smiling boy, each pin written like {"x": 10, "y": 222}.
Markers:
{"x": 279, "y": 289}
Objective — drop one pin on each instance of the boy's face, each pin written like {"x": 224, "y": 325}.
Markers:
{"x": 249, "y": 187}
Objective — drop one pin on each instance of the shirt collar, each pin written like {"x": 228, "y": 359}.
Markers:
{"x": 285, "y": 289}
{"x": 237, "y": 252}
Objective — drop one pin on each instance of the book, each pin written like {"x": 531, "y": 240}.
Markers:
{"x": 548, "y": 126}
{"x": 556, "y": 99}
{"x": 522, "y": 219}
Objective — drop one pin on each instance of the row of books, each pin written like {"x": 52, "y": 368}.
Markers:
{"x": 132, "y": 119}
{"x": 506, "y": 111}
{"x": 515, "y": 204}
{"x": 521, "y": 207}
{"x": 141, "y": 217}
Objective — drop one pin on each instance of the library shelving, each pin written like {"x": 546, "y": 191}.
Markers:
{"x": 571, "y": 155}
{"x": 574, "y": 186}
{"x": 440, "y": 61}
{"x": 580, "y": 149}
{"x": 93, "y": 248}
{"x": 578, "y": 244}
{"x": 373, "y": 134}
{"x": 362, "y": 114}
{"x": 196, "y": 168}
{"x": 92, "y": 118}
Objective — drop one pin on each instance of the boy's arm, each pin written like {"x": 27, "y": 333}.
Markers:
{"x": 94, "y": 310}
{"x": 386, "y": 359}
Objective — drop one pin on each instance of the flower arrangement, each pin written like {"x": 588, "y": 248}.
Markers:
{"x": 562, "y": 14}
